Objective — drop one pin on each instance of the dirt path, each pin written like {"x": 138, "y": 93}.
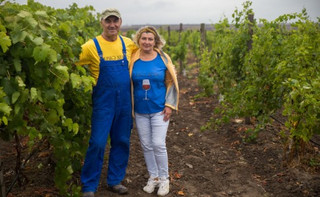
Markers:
{"x": 201, "y": 163}
{"x": 218, "y": 163}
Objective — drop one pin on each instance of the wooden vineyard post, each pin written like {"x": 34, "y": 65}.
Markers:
{"x": 180, "y": 30}
{"x": 2, "y": 185}
{"x": 180, "y": 60}
{"x": 249, "y": 43}
{"x": 249, "y": 47}
{"x": 203, "y": 36}
{"x": 169, "y": 33}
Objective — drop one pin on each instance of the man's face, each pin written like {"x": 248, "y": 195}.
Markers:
{"x": 111, "y": 26}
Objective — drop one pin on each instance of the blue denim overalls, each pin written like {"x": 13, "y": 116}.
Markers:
{"x": 111, "y": 114}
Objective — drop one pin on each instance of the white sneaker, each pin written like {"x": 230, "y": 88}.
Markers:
{"x": 151, "y": 185}
{"x": 163, "y": 187}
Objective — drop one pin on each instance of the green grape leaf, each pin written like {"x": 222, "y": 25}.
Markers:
{"x": 68, "y": 123}
{"x": 70, "y": 170}
{"x": 37, "y": 41}
{"x": 52, "y": 56}
{"x": 19, "y": 36}
{"x": 5, "y": 108}
{"x": 41, "y": 13}
{"x": 5, "y": 120}
{"x": 40, "y": 53}
{"x": 2, "y": 94}
{"x": 33, "y": 93}
{"x": 52, "y": 117}
{"x": 17, "y": 64}
{"x": 15, "y": 96}
{"x": 20, "y": 81}
{"x": 75, "y": 128}
{"x": 24, "y": 14}
{"x": 63, "y": 70}
{"x": 75, "y": 80}
{"x": 32, "y": 22}
{"x": 33, "y": 133}
{"x": 5, "y": 41}
{"x": 17, "y": 109}
{"x": 88, "y": 83}
{"x": 42, "y": 27}
{"x": 65, "y": 27}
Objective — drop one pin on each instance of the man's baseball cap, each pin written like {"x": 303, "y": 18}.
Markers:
{"x": 110, "y": 12}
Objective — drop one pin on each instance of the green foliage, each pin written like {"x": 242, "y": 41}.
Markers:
{"x": 130, "y": 33}
{"x": 279, "y": 71}
{"x": 42, "y": 92}
{"x": 179, "y": 50}
{"x": 194, "y": 43}
{"x": 5, "y": 110}
{"x": 179, "y": 45}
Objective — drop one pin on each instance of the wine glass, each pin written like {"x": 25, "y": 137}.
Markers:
{"x": 146, "y": 87}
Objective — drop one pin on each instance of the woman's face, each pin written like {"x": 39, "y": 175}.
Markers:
{"x": 147, "y": 41}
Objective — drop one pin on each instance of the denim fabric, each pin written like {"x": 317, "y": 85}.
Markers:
{"x": 111, "y": 116}
{"x": 152, "y": 131}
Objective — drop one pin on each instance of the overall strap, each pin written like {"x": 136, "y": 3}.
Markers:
{"x": 124, "y": 51}
{"x": 98, "y": 47}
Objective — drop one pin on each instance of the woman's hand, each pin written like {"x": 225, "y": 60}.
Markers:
{"x": 167, "y": 113}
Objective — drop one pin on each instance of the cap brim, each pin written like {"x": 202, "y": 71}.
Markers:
{"x": 110, "y": 15}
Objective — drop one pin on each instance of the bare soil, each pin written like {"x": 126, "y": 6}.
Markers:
{"x": 210, "y": 163}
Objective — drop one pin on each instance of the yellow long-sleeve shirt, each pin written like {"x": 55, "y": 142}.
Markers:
{"x": 110, "y": 50}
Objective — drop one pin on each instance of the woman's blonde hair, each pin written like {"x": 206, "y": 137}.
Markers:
{"x": 160, "y": 42}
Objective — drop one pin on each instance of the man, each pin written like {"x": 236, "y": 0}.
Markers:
{"x": 107, "y": 56}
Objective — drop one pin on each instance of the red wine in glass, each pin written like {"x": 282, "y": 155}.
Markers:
{"x": 146, "y": 87}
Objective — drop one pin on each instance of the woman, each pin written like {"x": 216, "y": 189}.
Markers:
{"x": 155, "y": 94}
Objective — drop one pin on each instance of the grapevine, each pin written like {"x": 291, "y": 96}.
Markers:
{"x": 42, "y": 94}
{"x": 279, "y": 73}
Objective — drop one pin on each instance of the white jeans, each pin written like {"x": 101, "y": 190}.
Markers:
{"x": 152, "y": 131}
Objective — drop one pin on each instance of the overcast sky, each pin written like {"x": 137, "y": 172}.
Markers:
{"x": 190, "y": 11}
